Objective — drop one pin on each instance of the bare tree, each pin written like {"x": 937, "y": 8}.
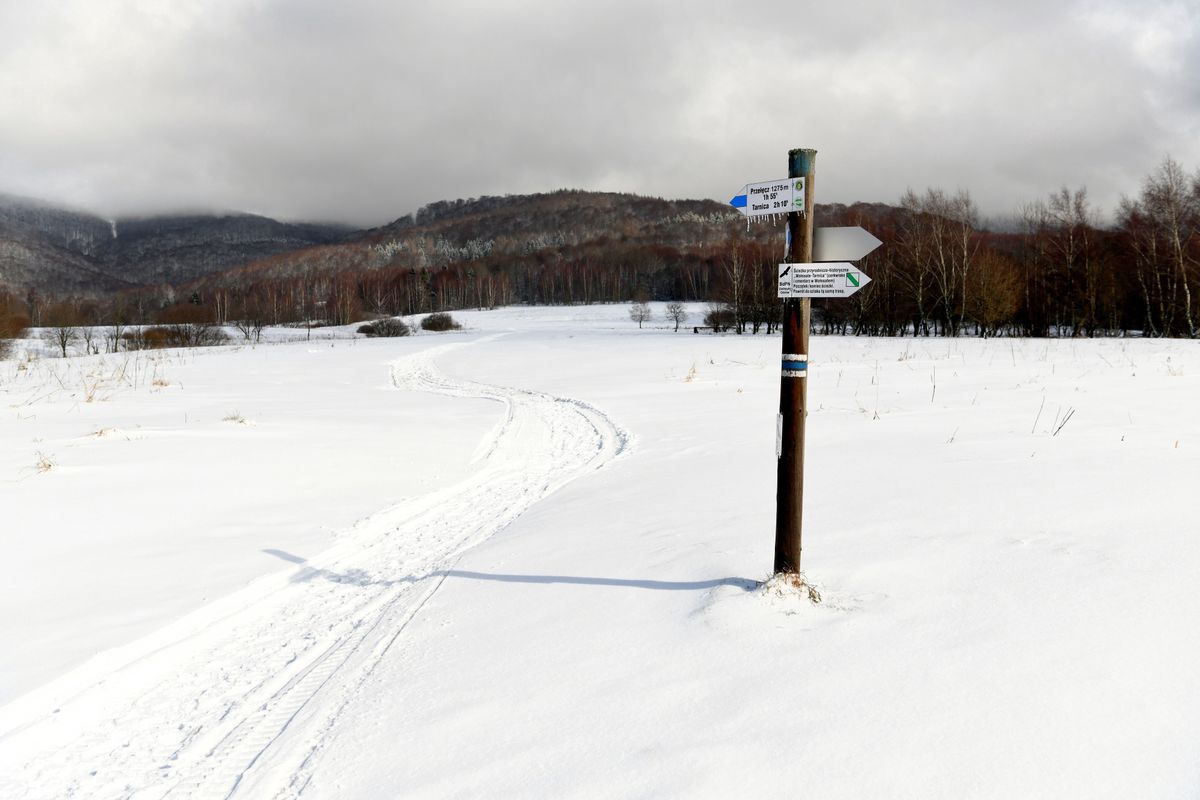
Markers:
{"x": 90, "y": 336}
{"x": 1172, "y": 201}
{"x": 1035, "y": 258}
{"x": 965, "y": 219}
{"x": 914, "y": 271}
{"x": 250, "y": 327}
{"x": 1068, "y": 224}
{"x": 62, "y": 329}
{"x": 251, "y": 315}
{"x": 676, "y": 312}
{"x": 941, "y": 242}
{"x": 640, "y": 312}
{"x": 735, "y": 273}
{"x": 61, "y": 337}
{"x": 112, "y": 336}
{"x": 1163, "y": 227}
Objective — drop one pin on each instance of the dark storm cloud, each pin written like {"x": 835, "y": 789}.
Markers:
{"x": 363, "y": 111}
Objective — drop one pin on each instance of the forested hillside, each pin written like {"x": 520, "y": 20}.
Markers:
{"x": 48, "y": 248}
{"x": 60, "y": 252}
{"x": 1060, "y": 272}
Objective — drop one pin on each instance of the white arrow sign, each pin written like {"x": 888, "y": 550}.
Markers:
{"x": 820, "y": 280}
{"x": 770, "y": 197}
{"x": 842, "y": 244}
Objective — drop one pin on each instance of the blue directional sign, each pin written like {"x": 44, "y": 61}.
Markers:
{"x": 770, "y": 197}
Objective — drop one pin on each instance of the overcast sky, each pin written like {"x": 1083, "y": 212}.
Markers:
{"x": 364, "y": 110}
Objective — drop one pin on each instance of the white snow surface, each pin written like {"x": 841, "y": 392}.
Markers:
{"x": 524, "y": 560}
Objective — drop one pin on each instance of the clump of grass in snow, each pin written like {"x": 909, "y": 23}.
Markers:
{"x": 791, "y": 584}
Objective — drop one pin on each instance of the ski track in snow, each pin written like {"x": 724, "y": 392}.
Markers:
{"x": 239, "y": 698}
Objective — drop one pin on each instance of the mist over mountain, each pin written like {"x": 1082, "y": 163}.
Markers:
{"x": 62, "y": 251}
{"x": 44, "y": 248}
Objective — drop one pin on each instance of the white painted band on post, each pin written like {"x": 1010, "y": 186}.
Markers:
{"x": 795, "y": 365}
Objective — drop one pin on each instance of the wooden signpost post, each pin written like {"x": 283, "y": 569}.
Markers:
{"x": 793, "y": 383}
{"x": 817, "y": 266}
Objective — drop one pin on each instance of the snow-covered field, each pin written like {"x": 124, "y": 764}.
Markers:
{"x": 523, "y": 560}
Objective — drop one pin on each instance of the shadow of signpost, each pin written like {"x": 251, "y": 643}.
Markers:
{"x": 363, "y": 578}
{"x": 285, "y": 555}
{"x": 357, "y": 577}
{"x": 633, "y": 583}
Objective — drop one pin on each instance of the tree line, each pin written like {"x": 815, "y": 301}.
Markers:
{"x": 1059, "y": 273}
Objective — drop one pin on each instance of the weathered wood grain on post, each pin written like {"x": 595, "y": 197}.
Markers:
{"x": 793, "y": 381}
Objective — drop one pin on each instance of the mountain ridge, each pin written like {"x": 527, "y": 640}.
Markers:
{"x": 53, "y": 249}
{"x": 61, "y": 251}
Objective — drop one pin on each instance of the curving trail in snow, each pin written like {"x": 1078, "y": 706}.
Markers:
{"x": 239, "y": 698}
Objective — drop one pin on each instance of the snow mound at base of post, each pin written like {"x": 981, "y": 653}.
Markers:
{"x": 790, "y": 586}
